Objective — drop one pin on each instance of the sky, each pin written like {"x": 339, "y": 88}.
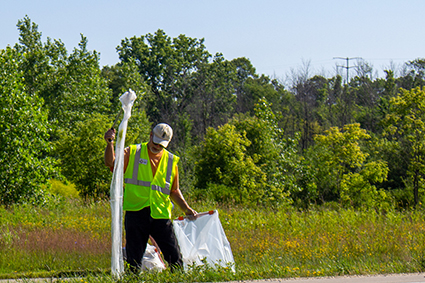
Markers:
{"x": 279, "y": 37}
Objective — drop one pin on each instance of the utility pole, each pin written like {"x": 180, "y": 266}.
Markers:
{"x": 348, "y": 64}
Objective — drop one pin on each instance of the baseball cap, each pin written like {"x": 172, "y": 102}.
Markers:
{"x": 162, "y": 134}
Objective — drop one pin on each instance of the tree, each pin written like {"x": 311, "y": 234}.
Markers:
{"x": 122, "y": 77}
{"x": 255, "y": 143}
{"x": 80, "y": 152}
{"x": 358, "y": 189}
{"x": 366, "y": 99}
{"x": 23, "y": 136}
{"x": 35, "y": 62}
{"x": 83, "y": 90}
{"x": 213, "y": 101}
{"x": 255, "y": 88}
{"x": 71, "y": 86}
{"x": 244, "y": 71}
{"x": 406, "y": 126}
{"x": 81, "y": 156}
{"x": 225, "y": 171}
{"x": 341, "y": 170}
{"x": 269, "y": 150}
{"x": 310, "y": 94}
{"x": 415, "y": 75}
{"x": 166, "y": 65}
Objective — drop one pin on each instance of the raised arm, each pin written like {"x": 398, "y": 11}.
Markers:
{"x": 109, "y": 155}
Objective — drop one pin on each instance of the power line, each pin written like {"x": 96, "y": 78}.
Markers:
{"x": 348, "y": 64}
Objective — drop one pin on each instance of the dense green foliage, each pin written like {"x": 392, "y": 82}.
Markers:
{"x": 406, "y": 127}
{"x": 243, "y": 137}
{"x": 24, "y": 135}
{"x": 87, "y": 143}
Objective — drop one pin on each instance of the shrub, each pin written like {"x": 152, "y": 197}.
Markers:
{"x": 67, "y": 190}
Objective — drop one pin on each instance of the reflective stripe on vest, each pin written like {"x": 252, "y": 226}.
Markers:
{"x": 134, "y": 180}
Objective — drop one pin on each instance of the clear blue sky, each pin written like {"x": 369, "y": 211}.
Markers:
{"x": 276, "y": 35}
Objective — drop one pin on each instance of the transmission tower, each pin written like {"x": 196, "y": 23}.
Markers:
{"x": 347, "y": 67}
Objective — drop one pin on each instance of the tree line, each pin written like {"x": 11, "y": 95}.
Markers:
{"x": 243, "y": 137}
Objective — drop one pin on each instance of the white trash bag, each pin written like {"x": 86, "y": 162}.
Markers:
{"x": 203, "y": 238}
{"x": 151, "y": 259}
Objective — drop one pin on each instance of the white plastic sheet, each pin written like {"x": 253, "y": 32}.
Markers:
{"x": 116, "y": 189}
{"x": 203, "y": 238}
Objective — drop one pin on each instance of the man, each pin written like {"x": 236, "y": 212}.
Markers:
{"x": 151, "y": 183}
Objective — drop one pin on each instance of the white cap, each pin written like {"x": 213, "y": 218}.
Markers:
{"x": 162, "y": 134}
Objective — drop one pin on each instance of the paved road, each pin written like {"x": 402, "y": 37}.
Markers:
{"x": 396, "y": 278}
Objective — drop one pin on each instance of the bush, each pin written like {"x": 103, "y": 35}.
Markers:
{"x": 67, "y": 190}
{"x": 81, "y": 156}
{"x": 223, "y": 161}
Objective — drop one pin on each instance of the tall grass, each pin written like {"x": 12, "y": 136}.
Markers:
{"x": 68, "y": 236}
{"x": 73, "y": 238}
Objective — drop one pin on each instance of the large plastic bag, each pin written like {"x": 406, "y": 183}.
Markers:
{"x": 203, "y": 238}
{"x": 117, "y": 183}
{"x": 152, "y": 260}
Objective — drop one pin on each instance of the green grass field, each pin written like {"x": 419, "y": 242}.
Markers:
{"x": 72, "y": 238}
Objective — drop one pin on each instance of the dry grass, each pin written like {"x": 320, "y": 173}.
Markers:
{"x": 73, "y": 236}
{"x": 47, "y": 240}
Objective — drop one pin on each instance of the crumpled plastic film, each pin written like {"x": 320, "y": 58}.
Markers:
{"x": 116, "y": 189}
{"x": 203, "y": 238}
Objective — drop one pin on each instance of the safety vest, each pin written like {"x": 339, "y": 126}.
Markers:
{"x": 142, "y": 189}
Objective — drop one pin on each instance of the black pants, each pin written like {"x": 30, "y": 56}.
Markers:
{"x": 138, "y": 226}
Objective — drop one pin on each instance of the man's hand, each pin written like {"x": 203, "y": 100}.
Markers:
{"x": 109, "y": 155}
{"x": 178, "y": 199}
{"x": 191, "y": 214}
{"x": 110, "y": 135}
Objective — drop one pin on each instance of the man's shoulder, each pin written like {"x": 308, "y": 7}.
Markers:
{"x": 136, "y": 145}
{"x": 171, "y": 154}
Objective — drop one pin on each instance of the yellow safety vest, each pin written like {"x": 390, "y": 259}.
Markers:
{"x": 142, "y": 189}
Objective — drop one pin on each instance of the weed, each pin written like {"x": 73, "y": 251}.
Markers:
{"x": 73, "y": 240}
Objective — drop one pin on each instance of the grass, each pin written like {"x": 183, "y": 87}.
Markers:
{"x": 73, "y": 236}
{"x": 72, "y": 239}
